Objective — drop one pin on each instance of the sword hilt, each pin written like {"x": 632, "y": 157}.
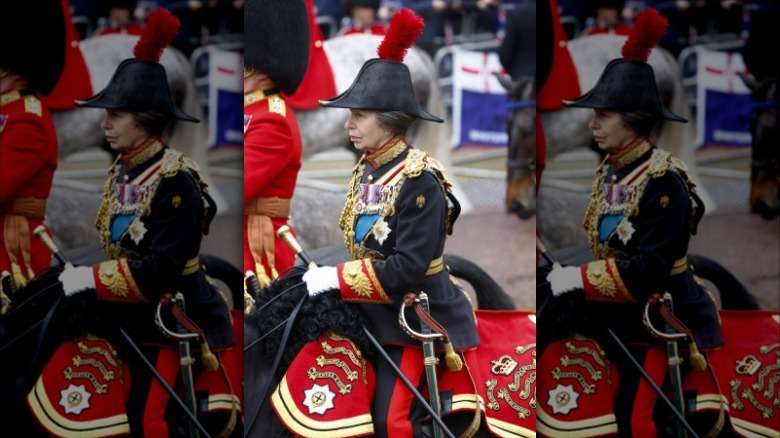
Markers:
{"x": 40, "y": 233}
{"x": 285, "y": 233}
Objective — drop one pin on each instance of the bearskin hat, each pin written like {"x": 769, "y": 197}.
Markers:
{"x": 140, "y": 83}
{"x": 276, "y": 40}
{"x": 33, "y": 35}
{"x": 628, "y": 83}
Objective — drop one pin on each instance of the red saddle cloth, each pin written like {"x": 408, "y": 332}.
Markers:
{"x": 503, "y": 369}
{"x": 82, "y": 391}
{"x": 327, "y": 390}
{"x": 747, "y": 368}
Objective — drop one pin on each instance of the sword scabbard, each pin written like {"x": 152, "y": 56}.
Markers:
{"x": 429, "y": 354}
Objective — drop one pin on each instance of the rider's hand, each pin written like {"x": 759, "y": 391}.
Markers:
{"x": 78, "y": 279}
{"x": 320, "y": 279}
{"x": 564, "y": 279}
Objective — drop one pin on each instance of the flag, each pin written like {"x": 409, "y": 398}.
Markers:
{"x": 722, "y": 101}
{"x": 226, "y": 90}
{"x": 479, "y": 106}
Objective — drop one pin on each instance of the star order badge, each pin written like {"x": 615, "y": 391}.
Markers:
{"x": 319, "y": 399}
{"x": 381, "y": 230}
{"x": 137, "y": 230}
{"x": 625, "y": 230}
{"x": 563, "y": 399}
{"x": 75, "y": 399}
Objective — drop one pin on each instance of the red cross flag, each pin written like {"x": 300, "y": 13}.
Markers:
{"x": 722, "y": 100}
{"x": 479, "y": 103}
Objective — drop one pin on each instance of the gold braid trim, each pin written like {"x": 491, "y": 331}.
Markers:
{"x": 112, "y": 279}
{"x": 600, "y": 279}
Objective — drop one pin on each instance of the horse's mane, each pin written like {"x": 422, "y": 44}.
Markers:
{"x": 326, "y": 311}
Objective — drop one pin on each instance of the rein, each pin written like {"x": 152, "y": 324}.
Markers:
{"x": 282, "y": 344}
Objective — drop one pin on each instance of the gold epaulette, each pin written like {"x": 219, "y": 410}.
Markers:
{"x": 418, "y": 161}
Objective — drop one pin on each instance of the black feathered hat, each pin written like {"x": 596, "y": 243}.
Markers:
{"x": 384, "y": 83}
{"x": 276, "y": 40}
{"x": 39, "y": 58}
{"x": 140, "y": 83}
{"x": 628, "y": 83}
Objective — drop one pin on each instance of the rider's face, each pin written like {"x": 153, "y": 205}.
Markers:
{"x": 609, "y": 131}
{"x": 122, "y": 132}
{"x": 365, "y": 131}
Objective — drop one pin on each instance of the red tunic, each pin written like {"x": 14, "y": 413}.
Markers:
{"x": 562, "y": 83}
{"x": 74, "y": 82}
{"x": 28, "y": 147}
{"x": 318, "y": 82}
{"x": 272, "y": 158}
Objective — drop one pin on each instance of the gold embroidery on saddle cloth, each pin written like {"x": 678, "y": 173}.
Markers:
{"x": 522, "y": 412}
{"x": 503, "y": 366}
{"x": 736, "y": 404}
{"x": 492, "y": 402}
{"x": 326, "y": 347}
{"x": 764, "y": 373}
{"x": 526, "y": 392}
{"x": 524, "y": 348}
{"x": 322, "y": 361}
{"x": 587, "y": 388}
{"x": 109, "y": 356}
{"x": 344, "y": 388}
{"x": 69, "y": 374}
{"x": 78, "y": 361}
{"x": 766, "y": 413}
{"x": 594, "y": 373}
{"x": 767, "y": 348}
{"x": 597, "y": 356}
{"x": 515, "y": 384}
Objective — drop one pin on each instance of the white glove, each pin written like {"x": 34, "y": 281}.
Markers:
{"x": 565, "y": 279}
{"x": 320, "y": 279}
{"x": 78, "y": 279}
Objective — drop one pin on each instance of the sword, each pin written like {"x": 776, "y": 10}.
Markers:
{"x": 430, "y": 361}
{"x": 674, "y": 366}
{"x": 186, "y": 362}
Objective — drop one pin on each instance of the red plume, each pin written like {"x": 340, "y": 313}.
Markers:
{"x": 647, "y": 31}
{"x": 158, "y": 32}
{"x": 402, "y": 31}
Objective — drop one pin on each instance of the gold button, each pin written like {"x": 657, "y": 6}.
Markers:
{"x": 318, "y": 44}
{"x": 74, "y": 43}
{"x": 353, "y": 272}
{"x": 562, "y": 43}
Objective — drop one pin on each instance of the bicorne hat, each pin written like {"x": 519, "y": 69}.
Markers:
{"x": 33, "y": 36}
{"x": 276, "y": 40}
{"x": 141, "y": 84}
{"x": 628, "y": 83}
{"x": 384, "y": 83}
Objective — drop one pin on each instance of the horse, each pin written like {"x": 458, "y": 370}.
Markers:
{"x": 521, "y": 160}
{"x": 327, "y": 312}
{"x": 41, "y": 321}
{"x": 323, "y": 128}
{"x": 749, "y": 333}
{"x": 567, "y": 128}
{"x": 765, "y": 153}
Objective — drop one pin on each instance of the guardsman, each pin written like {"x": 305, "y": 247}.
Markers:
{"x": 364, "y": 17}
{"x": 275, "y": 59}
{"x": 29, "y": 69}
{"x": 154, "y": 212}
{"x": 318, "y": 82}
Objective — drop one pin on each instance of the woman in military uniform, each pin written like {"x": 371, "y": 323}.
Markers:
{"x": 643, "y": 210}
{"x": 398, "y": 212}
{"x": 154, "y": 212}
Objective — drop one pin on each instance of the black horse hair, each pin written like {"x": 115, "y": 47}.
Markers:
{"x": 318, "y": 315}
